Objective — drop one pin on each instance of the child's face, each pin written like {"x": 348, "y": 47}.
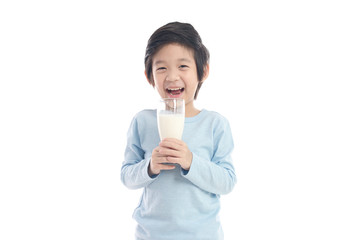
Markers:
{"x": 175, "y": 73}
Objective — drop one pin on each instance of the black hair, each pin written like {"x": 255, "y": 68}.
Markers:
{"x": 183, "y": 34}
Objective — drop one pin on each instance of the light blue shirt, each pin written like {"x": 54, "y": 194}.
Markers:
{"x": 179, "y": 204}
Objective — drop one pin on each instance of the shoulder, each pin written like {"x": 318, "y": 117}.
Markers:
{"x": 145, "y": 115}
{"x": 143, "y": 122}
{"x": 221, "y": 128}
{"x": 215, "y": 117}
{"x": 219, "y": 124}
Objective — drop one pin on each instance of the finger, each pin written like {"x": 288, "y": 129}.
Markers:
{"x": 155, "y": 150}
{"x": 173, "y": 160}
{"x": 158, "y": 154}
{"x": 169, "y": 152}
{"x": 159, "y": 160}
{"x": 174, "y": 141}
{"x": 170, "y": 145}
{"x": 166, "y": 167}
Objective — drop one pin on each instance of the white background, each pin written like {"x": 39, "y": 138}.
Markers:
{"x": 285, "y": 74}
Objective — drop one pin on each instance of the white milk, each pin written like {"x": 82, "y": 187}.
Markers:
{"x": 170, "y": 125}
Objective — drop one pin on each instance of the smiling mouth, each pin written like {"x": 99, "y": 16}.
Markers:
{"x": 174, "y": 91}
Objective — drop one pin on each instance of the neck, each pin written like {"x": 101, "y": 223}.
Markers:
{"x": 191, "y": 111}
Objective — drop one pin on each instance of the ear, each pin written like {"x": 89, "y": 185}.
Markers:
{"x": 146, "y": 75}
{"x": 151, "y": 82}
{"x": 205, "y": 72}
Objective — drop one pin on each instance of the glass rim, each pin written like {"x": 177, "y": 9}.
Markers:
{"x": 163, "y": 99}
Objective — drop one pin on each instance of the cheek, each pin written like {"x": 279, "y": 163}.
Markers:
{"x": 192, "y": 84}
{"x": 156, "y": 81}
{"x": 158, "y": 89}
{"x": 158, "y": 85}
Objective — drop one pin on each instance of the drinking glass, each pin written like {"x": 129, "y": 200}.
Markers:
{"x": 170, "y": 117}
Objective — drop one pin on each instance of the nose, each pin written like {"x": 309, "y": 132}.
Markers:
{"x": 172, "y": 76}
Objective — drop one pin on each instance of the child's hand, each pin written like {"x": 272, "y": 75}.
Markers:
{"x": 170, "y": 150}
{"x": 175, "y": 151}
{"x": 156, "y": 165}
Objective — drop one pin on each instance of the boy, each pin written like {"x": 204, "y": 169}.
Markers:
{"x": 181, "y": 179}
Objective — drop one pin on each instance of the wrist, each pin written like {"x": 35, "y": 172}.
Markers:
{"x": 189, "y": 163}
{"x": 150, "y": 172}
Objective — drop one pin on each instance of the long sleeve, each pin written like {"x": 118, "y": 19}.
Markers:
{"x": 134, "y": 173}
{"x": 216, "y": 175}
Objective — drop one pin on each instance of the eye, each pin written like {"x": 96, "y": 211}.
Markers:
{"x": 183, "y": 66}
{"x": 161, "y": 69}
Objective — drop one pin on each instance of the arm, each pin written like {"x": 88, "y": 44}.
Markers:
{"x": 134, "y": 171}
{"x": 218, "y": 175}
{"x": 217, "y": 178}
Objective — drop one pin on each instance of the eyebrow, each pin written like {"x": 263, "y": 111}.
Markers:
{"x": 184, "y": 60}
{"x": 158, "y": 62}
{"x": 179, "y": 60}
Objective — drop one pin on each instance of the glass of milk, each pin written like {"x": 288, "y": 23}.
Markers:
{"x": 170, "y": 117}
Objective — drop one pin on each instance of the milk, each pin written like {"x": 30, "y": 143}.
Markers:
{"x": 170, "y": 125}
